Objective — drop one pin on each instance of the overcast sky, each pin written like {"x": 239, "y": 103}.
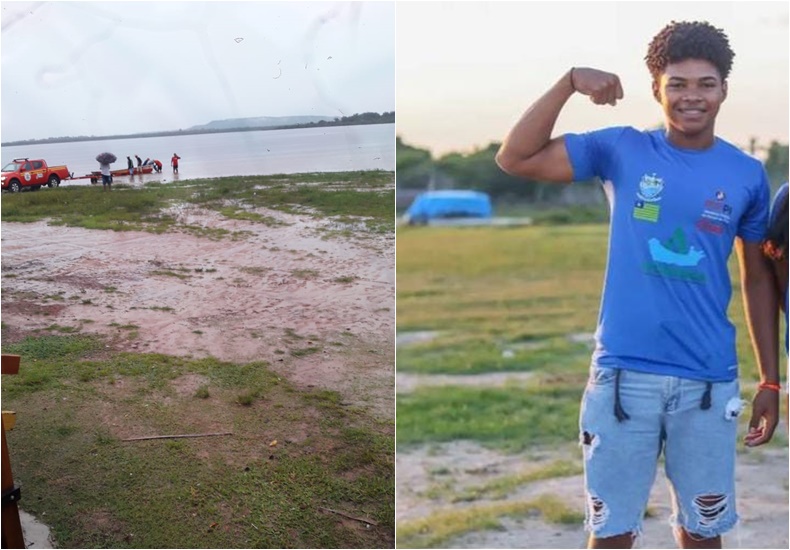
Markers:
{"x": 467, "y": 70}
{"x": 98, "y": 68}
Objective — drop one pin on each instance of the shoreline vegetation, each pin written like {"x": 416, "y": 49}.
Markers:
{"x": 365, "y": 198}
{"x": 353, "y": 120}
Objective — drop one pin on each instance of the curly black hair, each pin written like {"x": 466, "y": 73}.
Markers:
{"x": 689, "y": 40}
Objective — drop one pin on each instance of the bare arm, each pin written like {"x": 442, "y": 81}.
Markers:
{"x": 528, "y": 151}
{"x": 761, "y": 304}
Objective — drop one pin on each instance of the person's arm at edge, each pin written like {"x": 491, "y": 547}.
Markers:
{"x": 761, "y": 307}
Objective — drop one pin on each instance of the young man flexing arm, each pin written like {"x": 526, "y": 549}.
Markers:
{"x": 680, "y": 198}
{"x": 529, "y": 150}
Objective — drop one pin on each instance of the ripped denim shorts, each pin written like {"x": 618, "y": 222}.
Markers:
{"x": 628, "y": 419}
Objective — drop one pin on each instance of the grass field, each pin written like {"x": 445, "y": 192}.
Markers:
{"x": 303, "y": 468}
{"x": 505, "y": 300}
{"x": 343, "y": 195}
{"x": 292, "y": 454}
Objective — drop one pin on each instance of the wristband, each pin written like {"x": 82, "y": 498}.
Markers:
{"x": 769, "y": 386}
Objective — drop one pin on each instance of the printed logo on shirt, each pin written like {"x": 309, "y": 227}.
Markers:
{"x": 646, "y": 208}
{"x": 708, "y": 226}
{"x": 716, "y": 215}
{"x": 646, "y": 211}
{"x": 650, "y": 188}
{"x": 674, "y": 258}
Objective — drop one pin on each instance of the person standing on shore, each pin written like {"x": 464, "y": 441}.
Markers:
{"x": 130, "y": 165}
{"x": 106, "y": 176}
{"x": 139, "y": 162}
{"x": 664, "y": 373}
{"x": 174, "y": 163}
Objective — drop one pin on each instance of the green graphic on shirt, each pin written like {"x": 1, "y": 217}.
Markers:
{"x": 674, "y": 258}
{"x": 677, "y": 242}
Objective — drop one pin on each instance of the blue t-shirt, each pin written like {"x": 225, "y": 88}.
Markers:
{"x": 674, "y": 216}
{"x": 781, "y": 196}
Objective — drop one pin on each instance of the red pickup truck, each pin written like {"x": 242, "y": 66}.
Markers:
{"x": 24, "y": 172}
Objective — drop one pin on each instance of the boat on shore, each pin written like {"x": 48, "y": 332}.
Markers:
{"x": 145, "y": 169}
{"x": 95, "y": 175}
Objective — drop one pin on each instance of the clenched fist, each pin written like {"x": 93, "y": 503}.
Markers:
{"x": 602, "y": 87}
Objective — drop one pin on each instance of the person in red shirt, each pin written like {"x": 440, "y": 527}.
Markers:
{"x": 174, "y": 163}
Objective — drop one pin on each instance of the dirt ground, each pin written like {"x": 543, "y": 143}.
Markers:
{"x": 762, "y": 478}
{"x": 319, "y": 308}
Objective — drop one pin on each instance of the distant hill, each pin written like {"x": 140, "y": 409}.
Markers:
{"x": 264, "y": 123}
{"x": 259, "y": 122}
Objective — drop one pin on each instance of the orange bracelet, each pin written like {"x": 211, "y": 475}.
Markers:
{"x": 769, "y": 386}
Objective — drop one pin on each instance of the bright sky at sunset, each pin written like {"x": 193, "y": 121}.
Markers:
{"x": 467, "y": 70}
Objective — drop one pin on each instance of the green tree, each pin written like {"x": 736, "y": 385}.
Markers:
{"x": 776, "y": 163}
{"x": 478, "y": 170}
{"x": 414, "y": 166}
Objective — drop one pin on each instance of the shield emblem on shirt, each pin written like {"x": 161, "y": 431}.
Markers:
{"x": 650, "y": 188}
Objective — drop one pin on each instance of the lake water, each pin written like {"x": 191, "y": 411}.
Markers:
{"x": 329, "y": 149}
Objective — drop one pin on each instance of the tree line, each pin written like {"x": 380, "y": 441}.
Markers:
{"x": 417, "y": 169}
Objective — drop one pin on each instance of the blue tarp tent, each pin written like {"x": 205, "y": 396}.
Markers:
{"x": 448, "y": 204}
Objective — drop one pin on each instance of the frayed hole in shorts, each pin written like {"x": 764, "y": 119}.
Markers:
{"x": 589, "y": 443}
{"x": 598, "y": 512}
{"x": 710, "y": 509}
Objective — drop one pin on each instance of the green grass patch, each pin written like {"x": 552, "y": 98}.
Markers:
{"x": 305, "y": 273}
{"x": 241, "y": 214}
{"x": 439, "y": 528}
{"x": 62, "y": 329}
{"x": 512, "y": 419}
{"x": 504, "y": 485}
{"x": 463, "y": 353}
{"x": 502, "y": 281}
{"x": 254, "y": 270}
{"x": 302, "y": 352}
{"x": 48, "y": 361}
{"x": 292, "y": 334}
{"x": 247, "y": 397}
{"x": 128, "y": 326}
{"x": 367, "y": 195}
{"x": 170, "y": 273}
{"x": 162, "y": 308}
{"x": 77, "y": 400}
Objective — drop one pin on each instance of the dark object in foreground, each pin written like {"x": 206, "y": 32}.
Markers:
{"x": 349, "y": 516}
{"x": 12, "y": 527}
{"x": 174, "y": 436}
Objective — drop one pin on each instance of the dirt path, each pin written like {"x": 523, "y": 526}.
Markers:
{"x": 429, "y": 479}
{"x": 320, "y": 309}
